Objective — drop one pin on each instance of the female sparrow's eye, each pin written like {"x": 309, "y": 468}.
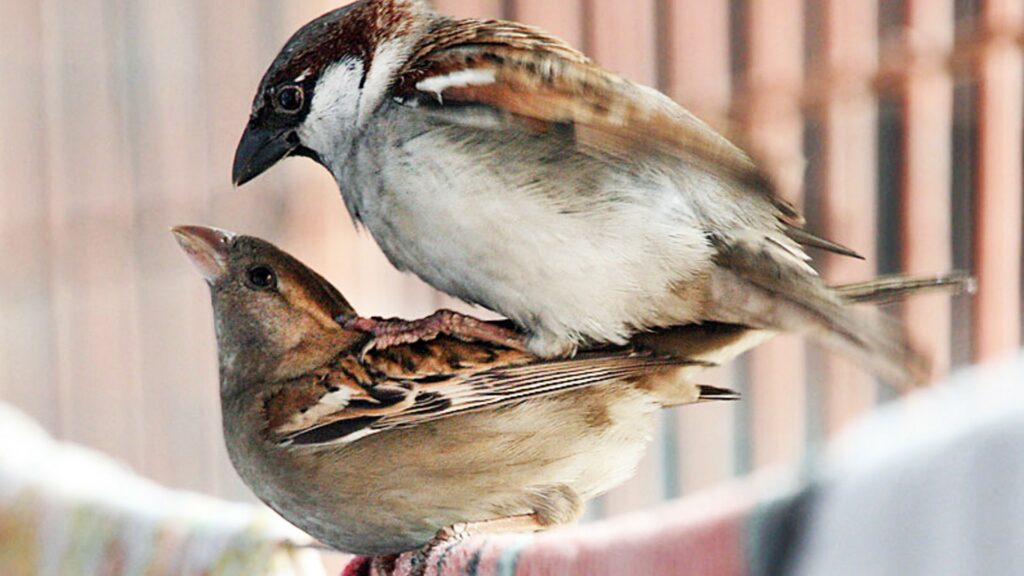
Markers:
{"x": 289, "y": 99}
{"x": 261, "y": 278}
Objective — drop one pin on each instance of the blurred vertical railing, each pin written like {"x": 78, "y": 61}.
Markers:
{"x": 705, "y": 439}
{"x": 998, "y": 223}
{"x": 91, "y": 223}
{"x": 926, "y": 206}
{"x": 849, "y": 113}
{"x": 29, "y": 376}
{"x": 564, "y": 18}
{"x": 473, "y": 8}
{"x": 774, "y": 126}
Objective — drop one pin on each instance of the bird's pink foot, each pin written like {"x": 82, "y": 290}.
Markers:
{"x": 395, "y": 332}
{"x": 451, "y": 535}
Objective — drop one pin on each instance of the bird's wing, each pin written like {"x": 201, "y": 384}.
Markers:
{"x": 469, "y": 67}
{"x": 721, "y": 343}
{"x": 411, "y": 385}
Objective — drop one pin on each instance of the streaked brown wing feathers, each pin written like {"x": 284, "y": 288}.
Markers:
{"x": 334, "y": 406}
{"x": 611, "y": 115}
{"x": 506, "y": 386}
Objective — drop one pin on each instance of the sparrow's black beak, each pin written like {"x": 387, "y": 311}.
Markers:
{"x": 207, "y": 248}
{"x": 259, "y": 149}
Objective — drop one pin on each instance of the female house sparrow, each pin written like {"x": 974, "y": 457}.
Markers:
{"x": 373, "y": 453}
{"x": 492, "y": 159}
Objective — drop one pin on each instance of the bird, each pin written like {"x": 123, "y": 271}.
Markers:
{"x": 383, "y": 450}
{"x": 490, "y": 158}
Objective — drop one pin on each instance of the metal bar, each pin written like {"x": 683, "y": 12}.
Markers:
{"x": 851, "y": 43}
{"x": 563, "y": 18}
{"x": 623, "y": 37}
{"x": 927, "y": 176}
{"x": 28, "y": 354}
{"x": 472, "y": 8}
{"x": 822, "y": 85}
{"x": 998, "y": 223}
{"x": 697, "y": 53}
{"x": 91, "y": 231}
{"x": 775, "y": 57}
{"x": 697, "y": 70}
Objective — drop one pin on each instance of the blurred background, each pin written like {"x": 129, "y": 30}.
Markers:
{"x": 895, "y": 124}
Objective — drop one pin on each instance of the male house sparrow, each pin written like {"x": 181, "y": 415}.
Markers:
{"x": 373, "y": 454}
{"x": 505, "y": 168}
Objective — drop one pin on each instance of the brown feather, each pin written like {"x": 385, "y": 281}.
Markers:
{"x": 610, "y": 115}
{"x": 892, "y": 288}
{"x": 442, "y": 378}
{"x": 805, "y": 238}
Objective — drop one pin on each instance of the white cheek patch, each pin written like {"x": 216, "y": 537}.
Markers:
{"x": 460, "y": 79}
{"x": 335, "y": 105}
{"x": 388, "y": 58}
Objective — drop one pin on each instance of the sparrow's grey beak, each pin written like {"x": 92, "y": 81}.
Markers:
{"x": 207, "y": 248}
{"x": 259, "y": 149}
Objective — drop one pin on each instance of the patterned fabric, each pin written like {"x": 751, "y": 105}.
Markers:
{"x": 928, "y": 486}
{"x": 69, "y": 511}
{"x": 709, "y": 535}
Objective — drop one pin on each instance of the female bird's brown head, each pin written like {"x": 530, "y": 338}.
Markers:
{"x": 275, "y": 318}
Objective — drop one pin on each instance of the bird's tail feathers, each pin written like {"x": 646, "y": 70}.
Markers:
{"x": 892, "y": 288}
{"x": 810, "y": 307}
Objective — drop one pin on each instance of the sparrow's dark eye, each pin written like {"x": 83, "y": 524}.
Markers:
{"x": 289, "y": 99}
{"x": 261, "y": 278}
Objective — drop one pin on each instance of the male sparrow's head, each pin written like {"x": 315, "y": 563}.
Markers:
{"x": 275, "y": 317}
{"x": 327, "y": 81}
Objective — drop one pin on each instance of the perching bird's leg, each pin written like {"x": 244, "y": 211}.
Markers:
{"x": 510, "y": 524}
{"x": 393, "y": 332}
{"x": 458, "y": 532}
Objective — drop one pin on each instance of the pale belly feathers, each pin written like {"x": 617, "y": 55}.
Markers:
{"x": 584, "y": 253}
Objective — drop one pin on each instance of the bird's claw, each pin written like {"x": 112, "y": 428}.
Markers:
{"x": 388, "y": 333}
{"x": 451, "y": 534}
{"x": 445, "y": 536}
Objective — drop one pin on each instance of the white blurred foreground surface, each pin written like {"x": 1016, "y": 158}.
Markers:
{"x": 930, "y": 486}
{"x": 66, "y": 510}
